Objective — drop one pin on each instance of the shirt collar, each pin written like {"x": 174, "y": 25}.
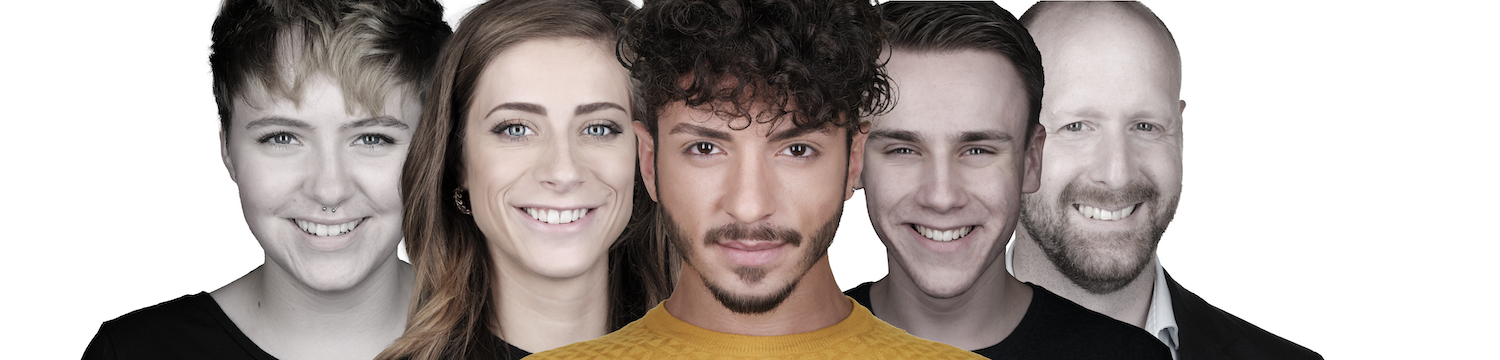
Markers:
{"x": 1160, "y": 321}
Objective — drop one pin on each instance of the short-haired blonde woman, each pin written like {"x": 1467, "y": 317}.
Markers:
{"x": 524, "y": 215}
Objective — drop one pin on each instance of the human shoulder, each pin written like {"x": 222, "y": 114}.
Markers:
{"x": 191, "y": 326}
{"x": 885, "y": 341}
{"x": 634, "y": 341}
{"x": 1209, "y": 332}
{"x": 1054, "y": 327}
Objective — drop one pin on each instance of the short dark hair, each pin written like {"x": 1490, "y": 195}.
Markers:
{"x": 815, "y": 60}
{"x": 370, "y": 47}
{"x": 983, "y": 26}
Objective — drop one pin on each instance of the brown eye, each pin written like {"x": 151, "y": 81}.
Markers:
{"x": 704, "y": 148}
{"x": 798, "y": 150}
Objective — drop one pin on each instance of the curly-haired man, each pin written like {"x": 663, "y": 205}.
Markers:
{"x": 751, "y": 142}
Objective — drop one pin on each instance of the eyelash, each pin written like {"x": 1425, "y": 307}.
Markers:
{"x": 381, "y": 140}
{"x": 291, "y": 139}
{"x": 503, "y": 129}
{"x": 808, "y": 151}
{"x": 613, "y": 129}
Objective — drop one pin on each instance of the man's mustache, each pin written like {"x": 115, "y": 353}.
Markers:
{"x": 745, "y": 232}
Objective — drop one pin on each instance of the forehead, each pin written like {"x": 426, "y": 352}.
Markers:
{"x": 954, "y": 91}
{"x": 560, "y": 68}
{"x": 677, "y": 117}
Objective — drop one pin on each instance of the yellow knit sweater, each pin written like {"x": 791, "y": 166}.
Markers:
{"x": 659, "y": 335}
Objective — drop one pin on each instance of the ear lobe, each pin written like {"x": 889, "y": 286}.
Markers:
{"x": 646, "y": 155}
{"x": 224, "y": 153}
{"x": 1032, "y": 180}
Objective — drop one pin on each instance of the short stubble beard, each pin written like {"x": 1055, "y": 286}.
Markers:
{"x": 744, "y": 304}
{"x": 1083, "y": 256}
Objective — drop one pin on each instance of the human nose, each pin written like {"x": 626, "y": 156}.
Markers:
{"x": 1112, "y": 165}
{"x": 748, "y": 196}
{"x": 939, "y": 190}
{"x": 331, "y": 184}
{"x": 562, "y": 173}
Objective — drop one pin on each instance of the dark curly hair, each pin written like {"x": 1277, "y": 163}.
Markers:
{"x": 815, "y": 60}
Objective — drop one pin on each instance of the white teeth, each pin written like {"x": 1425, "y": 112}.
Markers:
{"x": 1101, "y": 214}
{"x": 317, "y": 229}
{"x": 556, "y": 216}
{"x": 943, "y": 236}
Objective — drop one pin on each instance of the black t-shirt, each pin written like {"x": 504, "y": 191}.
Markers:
{"x": 194, "y": 327}
{"x": 1055, "y": 328}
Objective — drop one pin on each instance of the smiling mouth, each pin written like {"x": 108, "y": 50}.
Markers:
{"x": 1101, "y": 214}
{"x": 316, "y": 229}
{"x": 944, "y": 235}
{"x": 554, "y": 216}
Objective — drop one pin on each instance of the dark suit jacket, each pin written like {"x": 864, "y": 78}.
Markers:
{"x": 1205, "y": 332}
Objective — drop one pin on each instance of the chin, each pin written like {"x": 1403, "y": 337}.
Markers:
{"x": 945, "y": 284}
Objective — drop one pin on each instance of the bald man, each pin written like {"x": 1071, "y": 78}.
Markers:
{"x": 1111, "y": 177}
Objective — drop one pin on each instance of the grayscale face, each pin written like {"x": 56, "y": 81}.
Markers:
{"x": 945, "y": 169}
{"x": 291, "y": 161}
{"x": 1112, "y": 169}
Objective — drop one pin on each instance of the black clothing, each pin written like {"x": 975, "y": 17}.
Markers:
{"x": 195, "y": 327}
{"x": 189, "y": 327}
{"x": 1205, "y": 332}
{"x": 1055, "y": 328}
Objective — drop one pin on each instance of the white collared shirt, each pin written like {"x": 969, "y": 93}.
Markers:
{"x": 1160, "y": 321}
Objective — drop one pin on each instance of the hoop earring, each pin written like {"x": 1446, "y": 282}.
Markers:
{"x": 458, "y": 199}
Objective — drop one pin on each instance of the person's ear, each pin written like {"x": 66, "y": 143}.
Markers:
{"x": 224, "y": 153}
{"x": 1033, "y": 163}
{"x": 646, "y": 154}
{"x": 856, "y": 160}
{"x": 1181, "y": 106}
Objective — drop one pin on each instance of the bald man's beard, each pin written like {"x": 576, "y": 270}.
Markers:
{"x": 1099, "y": 262}
{"x": 750, "y": 304}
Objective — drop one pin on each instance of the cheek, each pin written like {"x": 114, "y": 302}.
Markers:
{"x": 380, "y": 180}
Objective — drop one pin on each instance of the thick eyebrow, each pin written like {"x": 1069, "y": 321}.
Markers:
{"x": 798, "y": 131}
{"x": 520, "y": 106}
{"x": 588, "y": 108}
{"x": 898, "y": 135}
{"x": 277, "y": 120}
{"x": 699, "y": 131}
{"x": 987, "y": 135}
{"x": 376, "y": 121}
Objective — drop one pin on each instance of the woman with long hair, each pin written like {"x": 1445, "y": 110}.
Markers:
{"x": 525, "y": 216}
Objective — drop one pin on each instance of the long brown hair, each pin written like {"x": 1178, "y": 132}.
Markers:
{"x": 452, "y": 308}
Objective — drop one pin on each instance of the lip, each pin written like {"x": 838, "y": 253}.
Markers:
{"x": 331, "y": 242}
{"x": 751, "y": 253}
{"x": 573, "y": 227}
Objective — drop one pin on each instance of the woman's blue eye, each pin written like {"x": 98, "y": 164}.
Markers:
{"x": 282, "y": 139}
{"x": 599, "y": 130}
{"x": 372, "y": 139}
{"x": 516, "y": 130}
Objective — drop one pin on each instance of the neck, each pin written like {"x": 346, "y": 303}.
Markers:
{"x": 816, "y": 303}
{"x": 292, "y": 320}
{"x": 537, "y": 313}
{"x": 977, "y": 318}
{"x": 1129, "y": 304}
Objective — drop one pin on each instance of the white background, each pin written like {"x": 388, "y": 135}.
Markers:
{"x": 1339, "y": 171}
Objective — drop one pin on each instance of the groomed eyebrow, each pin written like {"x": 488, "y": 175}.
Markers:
{"x": 799, "y": 131}
{"x": 588, "y": 108}
{"x": 898, "y": 135}
{"x": 376, "y": 121}
{"x": 277, "y": 121}
{"x": 699, "y": 131}
{"x": 520, "y": 106}
{"x": 988, "y": 135}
